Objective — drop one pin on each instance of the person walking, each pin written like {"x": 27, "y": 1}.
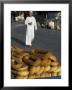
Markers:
{"x": 31, "y": 26}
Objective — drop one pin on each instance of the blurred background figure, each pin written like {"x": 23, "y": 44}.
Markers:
{"x": 20, "y": 17}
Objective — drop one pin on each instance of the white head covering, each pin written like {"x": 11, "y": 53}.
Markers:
{"x": 31, "y": 12}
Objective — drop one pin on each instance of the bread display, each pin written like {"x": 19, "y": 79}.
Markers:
{"x": 33, "y": 64}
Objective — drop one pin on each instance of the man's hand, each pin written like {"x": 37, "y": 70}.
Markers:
{"x": 35, "y": 29}
{"x": 30, "y": 23}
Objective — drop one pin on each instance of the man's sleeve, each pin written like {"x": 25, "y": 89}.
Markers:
{"x": 35, "y": 24}
{"x": 26, "y": 21}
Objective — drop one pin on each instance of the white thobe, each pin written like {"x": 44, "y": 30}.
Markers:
{"x": 30, "y": 29}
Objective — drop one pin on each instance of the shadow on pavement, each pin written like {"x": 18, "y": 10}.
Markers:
{"x": 19, "y": 41}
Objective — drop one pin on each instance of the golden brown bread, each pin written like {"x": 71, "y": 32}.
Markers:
{"x": 37, "y": 75}
{"x": 45, "y": 62}
{"x": 45, "y": 75}
{"x": 58, "y": 69}
{"x": 28, "y": 62}
{"x": 59, "y": 73}
{"x": 37, "y": 50}
{"x": 16, "y": 49}
{"x": 41, "y": 70}
{"x": 34, "y": 69}
{"x": 50, "y": 56}
{"x": 54, "y": 73}
{"x": 16, "y": 65}
{"x": 20, "y": 73}
{"x": 16, "y": 59}
{"x": 25, "y": 57}
{"x": 36, "y": 63}
{"x": 47, "y": 68}
{"x": 32, "y": 76}
{"x": 21, "y": 77}
{"x": 24, "y": 67}
{"x": 54, "y": 63}
{"x": 53, "y": 68}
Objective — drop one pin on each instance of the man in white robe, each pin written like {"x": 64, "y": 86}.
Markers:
{"x": 31, "y": 26}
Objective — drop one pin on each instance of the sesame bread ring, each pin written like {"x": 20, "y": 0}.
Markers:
{"x": 41, "y": 70}
{"x": 21, "y": 77}
{"x": 50, "y": 56}
{"x": 17, "y": 53}
{"x": 13, "y": 49}
{"x": 33, "y": 76}
{"x": 21, "y": 55}
{"x": 34, "y": 57}
{"x": 23, "y": 68}
{"x": 47, "y": 68}
{"x": 45, "y": 62}
{"x": 47, "y": 74}
{"x": 54, "y": 64}
{"x": 23, "y": 73}
{"x": 18, "y": 60}
{"x": 34, "y": 69}
{"x": 58, "y": 69}
{"x": 45, "y": 56}
{"x": 54, "y": 73}
{"x": 28, "y": 62}
{"x": 43, "y": 75}
{"x": 33, "y": 51}
{"x": 53, "y": 68}
{"x": 37, "y": 75}
{"x": 59, "y": 73}
{"x": 14, "y": 72}
{"x": 41, "y": 51}
{"x": 17, "y": 49}
{"x": 16, "y": 65}
{"x": 26, "y": 57}
{"x": 37, "y": 62}
{"x": 25, "y": 54}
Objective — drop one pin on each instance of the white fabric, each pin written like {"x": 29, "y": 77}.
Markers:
{"x": 30, "y": 29}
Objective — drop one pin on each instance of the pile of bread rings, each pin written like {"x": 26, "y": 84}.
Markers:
{"x": 33, "y": 64}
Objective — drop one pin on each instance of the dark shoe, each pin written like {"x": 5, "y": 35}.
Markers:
{"x": 29, "y": 46}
